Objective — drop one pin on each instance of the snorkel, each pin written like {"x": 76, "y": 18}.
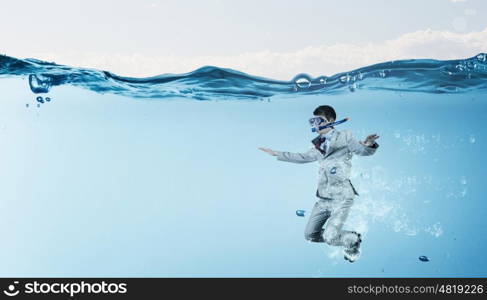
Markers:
{"x": 316, "y": 121}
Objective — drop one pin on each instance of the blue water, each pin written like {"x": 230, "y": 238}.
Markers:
{"x": 120, "y": 176}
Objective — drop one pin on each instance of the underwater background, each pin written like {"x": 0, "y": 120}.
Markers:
{"x": 110, "y": 176}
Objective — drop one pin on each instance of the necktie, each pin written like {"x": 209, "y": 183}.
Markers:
{"x": 318, "y": 143}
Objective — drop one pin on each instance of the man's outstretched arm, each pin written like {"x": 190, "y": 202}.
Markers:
{"x": 365, "y": 148}
{"x": 299, "y": 158}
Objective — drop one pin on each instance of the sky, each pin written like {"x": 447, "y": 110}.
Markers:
{"x": 270, "y": 38}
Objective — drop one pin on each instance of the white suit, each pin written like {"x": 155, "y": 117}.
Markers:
{"x": 335, "y": 190}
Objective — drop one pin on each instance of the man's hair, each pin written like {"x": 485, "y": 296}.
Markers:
{"x": 327, "y": 111}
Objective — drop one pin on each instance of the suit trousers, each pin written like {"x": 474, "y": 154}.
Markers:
{"x": 326, "y": 222}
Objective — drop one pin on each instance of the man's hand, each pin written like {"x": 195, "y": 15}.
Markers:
{"x": 370, "y": 140}
{"x": 269, "y": 151}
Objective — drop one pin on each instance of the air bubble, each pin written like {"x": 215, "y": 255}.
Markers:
{"x": 39, "y": 83}
{"x": 471, "y": 139}
{"x": 48, "y": 99}
{"x": 302, "y": 81}
{"x": 40, "y": 99}
{"x": 364, "y": 175}
{"x": 460, "y": 67}
{"x": 352, "y": 87}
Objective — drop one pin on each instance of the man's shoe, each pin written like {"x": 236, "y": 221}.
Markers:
{"x": 353, "y": 253}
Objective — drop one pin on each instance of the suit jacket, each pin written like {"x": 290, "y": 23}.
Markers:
{"x": 335, "y": 164}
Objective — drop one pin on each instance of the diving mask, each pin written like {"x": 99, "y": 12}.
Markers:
{"x": 319, "y": 123}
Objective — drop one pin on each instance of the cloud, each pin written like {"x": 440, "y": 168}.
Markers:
{"x": 314, "y": 60}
